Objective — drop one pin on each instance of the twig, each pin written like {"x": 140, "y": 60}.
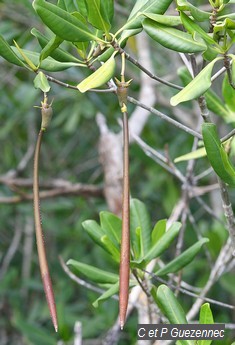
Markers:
{"x": 142, "y": 68}
{"x": 166, "y": 118}
{"x": 189, "y": 293}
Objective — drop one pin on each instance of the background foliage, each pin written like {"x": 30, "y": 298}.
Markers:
{"x": 70, "y": 153}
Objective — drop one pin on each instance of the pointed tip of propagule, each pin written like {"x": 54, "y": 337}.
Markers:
{"x": 50, "y": 299}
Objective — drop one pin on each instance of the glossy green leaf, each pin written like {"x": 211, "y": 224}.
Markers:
{"x": 216, "y": 154}
{"x": 199, "y": 153}
{"x": 49, "y": 64}
{"x": 112, "y": 226}
{"x": 193, "y": 27}
{"x": 8, "y": 53}
{"x": 81, "y": 4}
{"x": 58, "y": 54}
{"x": 93, "y": 273}
{"x": 228, "y": 23}
{"x": 107, "y": 294}
{"x": 163, "y": 19}
{"x": 97, "y": 15}
{"x": 205, "y": 318}
{"x": 111, "y": 248}
{"x": 41, "y": 82}
{"x": 158, "y": 231}
{"x": 94, "y": 231}
{"x": 183, "y": 259}
{"x": 172, "y": 38}
{"x": 198, "y": 14}
{"x": 145, "y": 6}
{"x": 99, "y": 77}
{"x": 214, "y": 103}
{"x": 62, "y": 23}
{"x": 164, "y": 242}
{"x": 171, "y": 308}
{"x": 169, "y": 305}
{"x": 228, "y": 91}
{"x": 67, "y": 5}
{"x": 197, "y": 86}
{"x": 139, "y": 218}
{"x": 50, "y": 47}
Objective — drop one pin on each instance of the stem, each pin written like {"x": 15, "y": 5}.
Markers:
{"x": 125, "y": 242}
{"x": 39, "y": 237}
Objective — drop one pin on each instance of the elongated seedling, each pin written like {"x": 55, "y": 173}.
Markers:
{"x": 46, "y": 114}
{"x": 124, "y": 271}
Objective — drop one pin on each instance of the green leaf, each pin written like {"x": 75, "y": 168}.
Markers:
{"x": 112, "y": 226}
{"x": 107, "y": 294}
{"x": 216, "y": 154}
{"x": 62, "y": 23}
{"x": 145, "y": 6}
{"x": 172, "y": 38}
{"x": 206, "y": 318}
{"x": 58, "y": 54}
{"x": 228, "y": 91}
{"x": 164, "y": 242}
{"x": 139, "y": 218}
{"x": 198, "y": 14}
{"x": 183, "y": 259}
{"x": 48, "y": 64}
{"x": 81, "y": 4}
{"x": 193, "y": 27}
{"x": 8, "y": 54}
{"x": 67, "y": 5}
{"x": 111, "y": 248}
{"x": 50, "y": 47}
{"x": 41, "y": 82}
{"x": 197, "y": 86}
{"x": 93, "y": 273}
{"x": 163, "y": 19}
{"x": 171, "y": 308}
{"x": 95, "y": 232}
{"x": 199, "y": 153}
{"x": 158, "y": 231}
{"x": 99, "y": 77}
{"x": 97, "y": 15}
{"x": 214, "y": 103}
{"x": 169, "y": 305}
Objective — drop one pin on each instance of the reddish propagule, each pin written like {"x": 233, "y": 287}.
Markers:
{"x": 46, "y": 112}
{"x": 124, "y": 270}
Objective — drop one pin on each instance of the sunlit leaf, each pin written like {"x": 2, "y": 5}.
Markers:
{"x": 98, "y": 78}
{"x": 41, "y": 82}
{"x": 8, "y": 53}
{"x": 197, "y": 86}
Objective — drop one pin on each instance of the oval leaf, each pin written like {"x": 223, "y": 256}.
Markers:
{"x": 62, "y": 23}
{"x": 197, "y": 87}
{"x": 8, "y": 54}
{"x": 172, "y": 38}
{"x": 216, "y": 154}
{"x": 183, "y": 259}
{"x": 99, "y": 77}
{"x": 158, "y": 248}
{"x": 41, "y": 82}
{"x": 93, "y": 273}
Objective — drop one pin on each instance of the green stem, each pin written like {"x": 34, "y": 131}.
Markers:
{"x": 39, "y": 237}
